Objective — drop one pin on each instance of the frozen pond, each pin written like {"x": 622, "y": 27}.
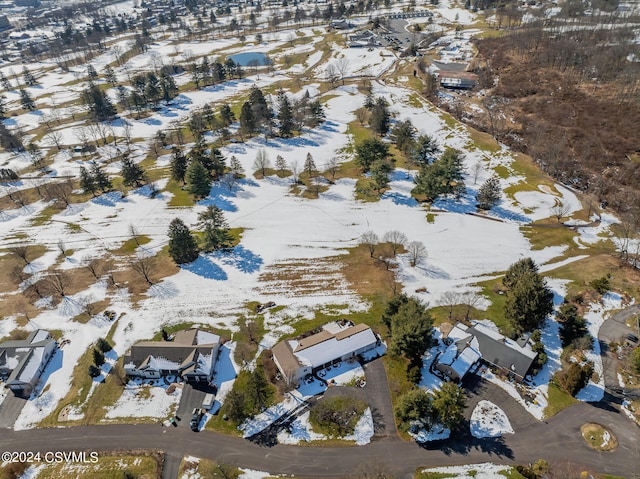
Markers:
{"x": 249, "y": 59}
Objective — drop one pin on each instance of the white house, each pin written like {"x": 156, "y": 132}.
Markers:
{"x": 191, "y": 355}
{"x": 336, "y": 341}
{"x": 22, "y": 362}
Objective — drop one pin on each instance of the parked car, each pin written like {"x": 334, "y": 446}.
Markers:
{"x": 632, "y": 337}
{"x": 196, "y": 416}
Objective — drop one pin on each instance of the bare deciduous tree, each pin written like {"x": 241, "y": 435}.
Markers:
{"x": 332, "y": 166}
{"x": 22, "y": 252}
{"x": 396, "y": 240}
{"x": 560, "y": 210}
{"x": 370, "y": 240}
{"x": 58, "y": 283}
{"x": 94, "y": 265}
{"x": 228, "y": 180}
{"x": 145, "y": 267}
{"x": 62, "y": 248}
{"x": 417, "y": 253}
{"x": 342, "y": 66}
{"x": 53, "y": 138}
{"x": 262, "y": 161}
{"x": 449, "y": 301}
{"x": 471, "y": 300}
{"x": 60, "y": 192}
{"x": 294, "y": 167}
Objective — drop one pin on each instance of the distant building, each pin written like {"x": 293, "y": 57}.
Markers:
{"x": 341, "y": 24}
{"x": 191, "y": 355}
{"x": 4, "y": 23}
{"x": 468, "y": 346}
{"x": 335, "y": 342}
{"x": 22, "y": 362}
{"x": 457, "y": 83}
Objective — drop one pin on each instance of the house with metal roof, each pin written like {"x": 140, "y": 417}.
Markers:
{"x": 191, "y": 355}
{"x": 479, "y": 343}
{"x": 334, "y": 342}
{"x": 22, "y": 362}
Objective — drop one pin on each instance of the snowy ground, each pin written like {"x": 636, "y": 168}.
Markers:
{"x": 488, "y": 420}
{"x": 143, "y": 400}
{"x": 486, "y": 470}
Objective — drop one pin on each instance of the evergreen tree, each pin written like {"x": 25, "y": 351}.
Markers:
{"x": 315, "y": 114}
{"x": 411, "y": 329}
{"x": 198, "y": 179}
{"x": 93, "y": 371}
{"x": 168, "y": 87}
{"x": 6, "y": 84}
{"x": 572, "y": 326}
{"x": 91, "y": 72}
{"x": 100, "y": 106}
{"x": 215, "y": 229}
{"x": 370, "y": 150}
{"x": 178, "y": 164}
{"x": 132, "y": 174}
{"x": 87, "y": 182}
{"x": 183, "y": 247}
{"x": 3, "y": 107}
{"x": 449, "y": 403}
{"x": 489, "y": 193}
{"x": 110, "y": 75}
{"x": 281, "y": 165}
{"x": 262, "y": 114}
{"x": 217, "y": 164}
{"x": 26, "y": 100}
{"x": 380, "y": 117}
{"x": 403, "y": 135}
{"x": 236, "y": 167}
{"x": 247, "y": 119}
{"x": 425, "y": 148}
{"x": 227, "y": 117}
{"x": 528, "y": 299}
{"x": 103, "y": 345}
{"x": 258, "y": 391}
{"x": 442, "y": 177}
{"x": 413, "y": 406}
{"x": 285, "y": 115}
{"x": 310, "y": 166}
{"x": 98, "y": 357}
{"x": 380, "y": 170}
{"x": 28, "y": 77}
{"x": 100, "y": 178}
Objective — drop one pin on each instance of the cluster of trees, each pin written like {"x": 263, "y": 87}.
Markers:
{"x": 373, "y": 156}
{"x": 94, "y": 179}
{"x": 410, "y": 326}
{"x": 397, "y": 241}
{"x": 183, "y": 245}
{"x": 251, "y": 393}
{"x": 98, "y": 103}
{"x": 573, "y": 327}
{"x": 206, "y": 73}
{"x": 528, "y": 300}
{"x": 198, "y": 169}
{"x": 148, "y": 89}
{"x": 441, "y": 177}
{"x": 418, "y": 409}
{"x": 379, "y": 116}
{"x": 102, "y": 347}
{"x": 575, "y": 377}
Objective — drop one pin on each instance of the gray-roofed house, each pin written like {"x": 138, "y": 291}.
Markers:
{"x": 191, "y": 355}
{"x": 493, "y": 348}
{"x": 22, "y": 362}
{"x": 336, "y": 341}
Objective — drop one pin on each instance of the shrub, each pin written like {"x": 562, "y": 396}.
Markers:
{"x": 575, "y": 377}
{"x": 103, "y": 345}
{"x": 601, "y": 285}
{"x": 337, "y": 416}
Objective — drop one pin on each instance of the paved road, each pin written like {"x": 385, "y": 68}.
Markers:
{"x": 557, "y": 440}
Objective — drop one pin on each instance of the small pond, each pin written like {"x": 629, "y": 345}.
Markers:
{"x": 250, "y": 59}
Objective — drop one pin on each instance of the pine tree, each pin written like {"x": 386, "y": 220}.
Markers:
{"x": 87, "y": 182}
{"x": 236, "y": 167}
{"x": 403, "y": 134}
{"x": 198, "y": 180}
{"x": 93, "y": 371}
{"x": 528, "y": 299}
{"x": 217, "y": 164}
{"x": 6, "y": 84}
{"x": 411, "y": 329}
{"x": 380, "y": 117}
{"x": 310, "y": 166}
{"x": 98, "y": 357}
{"x": 183, "y": 247}
{"x": 226, "y": 115}
{"x": 281, "y": 165}
{"x": 572, "y": 326}
{"x": 442, "y": 177}
{"x": 103, "y": 345}
{"x": 168, "y": 87}
{"x": 110, "y": 75}
{"x": 101, "y": 179}
{"x": 91, "y": 72}
{"x": 99, "y": 104}
{"x": 380, "y": 170}
{"x": 132, "y": 174}
{"x": 285, "y": 115}
{"x": 178, "y": 164}
{"x": 28, "y": 77}
{"x": 449, "y": 403}
{"x": 26, "y": 100}
{"x": 3, "y": 107}
{"x": 215, "y": 228}
{"x": 424, "y": 150}
{"x": 489, "y": 193}
{"x": 247, "y": 119}
{"x": 370, "y": 150}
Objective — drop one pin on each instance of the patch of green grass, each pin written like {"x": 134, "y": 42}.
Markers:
{"x": 484, "y": 141}
{"x": 557, "y": 400}
{"x": 44, "y": 216}
{"x": 511, "y": 473}
{"x": 129, "y": 246}
{"x": 503, "y": 172}
{"x": 431, "y": 218}
{"x": 172, "y": 329}
{"x": 337, "y": 416}
{"x": 180, "y": 197}
{"x": 495, "y": 311}
{"x": 422, "y": 474}
{"x": 543, "y": 235}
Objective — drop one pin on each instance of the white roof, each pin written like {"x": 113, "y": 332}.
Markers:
{"x": 159, "y": 363}
{"x": 332, "y": 348}
{"x": 40, "y": 335}
{"x": 31, "y": 367}
{"x": 467, "y": 358}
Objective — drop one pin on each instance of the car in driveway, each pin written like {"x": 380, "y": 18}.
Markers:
{"x": 196, "y": 416}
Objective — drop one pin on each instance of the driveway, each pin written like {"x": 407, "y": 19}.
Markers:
{"x": 10, "y": 410}
{"x": 191, "y": 398}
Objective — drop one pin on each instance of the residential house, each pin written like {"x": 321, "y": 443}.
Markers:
{"x": 191, "y": 355}
{"x": 335, "y": 342}
{"x": 480, "y": 343}
{"x": 22, "y": 362}
{"x": 4, "y": 23}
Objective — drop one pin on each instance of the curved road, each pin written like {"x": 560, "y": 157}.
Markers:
{"x": 558, "y": 440}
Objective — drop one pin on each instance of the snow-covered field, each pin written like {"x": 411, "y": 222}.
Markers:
{"x": 478, "y": 471}
{"x": 488, "y": 420}
{"x": 142, "y": 400}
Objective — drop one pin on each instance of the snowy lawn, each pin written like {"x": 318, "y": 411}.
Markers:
{"x": 488, "y": 420}
{"x": 140, "y": 400}
{"x": 485, "y": 470}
